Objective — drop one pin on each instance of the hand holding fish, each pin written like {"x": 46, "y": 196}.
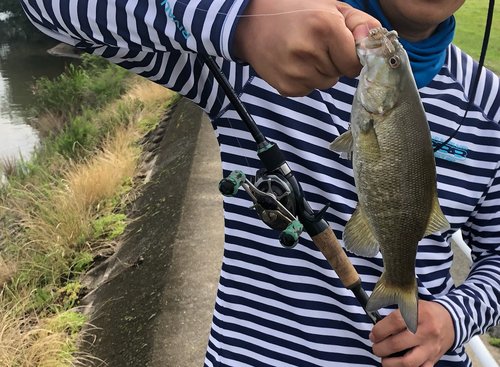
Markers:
{"x": 298, "y": 46}
{"x": 435, "y": 335}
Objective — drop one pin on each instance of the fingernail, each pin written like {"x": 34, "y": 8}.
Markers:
{"x": 360, "y": 32}
{"x": 371, "y": 337}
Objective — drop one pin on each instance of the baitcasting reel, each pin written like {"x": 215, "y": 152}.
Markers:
{"x": 273, "y": 199}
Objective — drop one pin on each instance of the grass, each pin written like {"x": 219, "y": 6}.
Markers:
{"x": 60, "y": 207}
{"x": 495, "y": 342}
{"x": 36, "y": 342}
{"x": 471, "y": 20}
{"x": 91, "y": 85}
{"x": 24, "y": 344}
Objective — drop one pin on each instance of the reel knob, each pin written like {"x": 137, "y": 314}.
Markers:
{"x": 290, "y": 236}
{"x": 229, "y": 186}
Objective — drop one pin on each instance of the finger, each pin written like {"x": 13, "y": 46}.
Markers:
{"x": 342, "y": 52}
{"x": 315, "y": 78}
{"x": 301, "y": 78}
{"x": 328, "y": 83}
{"x": 358, "y": 22}
{"x": 357, "y": 25}
{"x": 416, "y": 357}
{"x": 294, "y": 88}
{"x": 395, "y": 343}
{"x": 323, "y": 82}
{"x": 314, "y": 58}
{"x": 390, "y": 325}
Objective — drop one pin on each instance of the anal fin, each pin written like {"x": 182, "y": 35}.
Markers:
{"x": 437, "y": 220}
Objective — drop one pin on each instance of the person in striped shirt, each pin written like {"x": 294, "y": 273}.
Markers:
{"x": 293, "y": 63}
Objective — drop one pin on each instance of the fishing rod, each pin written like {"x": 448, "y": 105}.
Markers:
{"x": 279, "y": 199}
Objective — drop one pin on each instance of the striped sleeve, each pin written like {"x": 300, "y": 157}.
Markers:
{"x": 465, "y": 69}
{"x": 475, "y": 304}
{"x": 160, "y": 40}
{"x": 200, "y": 26}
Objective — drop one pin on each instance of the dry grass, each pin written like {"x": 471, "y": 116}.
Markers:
{"x": 7, "y": 271}
{"x": 56, "y": 214}
{"x": 99, "y": 177}
{"x": 52, "y": 216}
{"x": 9, "y": 166}
{"x": 150, "y": 93}
{"x": 49, "y": 124}
{"x": 32, "y": 342}
{"x": 61, "y": 216}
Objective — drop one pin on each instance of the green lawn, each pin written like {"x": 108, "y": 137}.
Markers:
{"x": 471, "y": 20}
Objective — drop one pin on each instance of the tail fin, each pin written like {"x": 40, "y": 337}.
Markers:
{"x": 386, "y": 294}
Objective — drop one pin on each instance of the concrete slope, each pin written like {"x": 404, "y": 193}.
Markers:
{"x": 154, "y": 302}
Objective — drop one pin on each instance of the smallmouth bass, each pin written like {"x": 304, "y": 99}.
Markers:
{"x": 394, "y": 170}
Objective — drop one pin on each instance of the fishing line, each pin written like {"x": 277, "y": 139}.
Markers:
{"x": 475, "y": 84}
{"x": 263, "y": 15}
{"x": 487, "y": 31}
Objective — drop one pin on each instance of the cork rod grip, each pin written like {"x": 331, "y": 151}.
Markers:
{"x": 328, "y": 244}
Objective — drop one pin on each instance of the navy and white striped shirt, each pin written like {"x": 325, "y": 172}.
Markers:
{"x": 279, "y": 307}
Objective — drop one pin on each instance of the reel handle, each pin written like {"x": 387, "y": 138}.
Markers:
{"x": 229, "y": 186}
{"x": 290, "y": 236}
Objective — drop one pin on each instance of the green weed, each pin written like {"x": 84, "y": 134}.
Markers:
{"x": 495, "y": 342}
{"x": 79, "y": 136}
{"x": 63, "y": 95}
{"x": 81, "y": 262}
{"x": 88, "y": 86}
{"x": 175, "y": 98}
{"x": 69, "y": 294}
{"x": 109, "y": 226}
{"x": 148, "y": 124}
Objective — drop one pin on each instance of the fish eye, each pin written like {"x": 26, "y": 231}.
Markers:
{"x": 394, "y": 62}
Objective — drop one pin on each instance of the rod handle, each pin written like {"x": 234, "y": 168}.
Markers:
{"x": 328, "y": 244}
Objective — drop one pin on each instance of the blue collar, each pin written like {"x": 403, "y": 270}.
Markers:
{"x": 426, "y": 56}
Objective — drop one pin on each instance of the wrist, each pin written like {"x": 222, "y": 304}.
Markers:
{"x": 455, "y": 315}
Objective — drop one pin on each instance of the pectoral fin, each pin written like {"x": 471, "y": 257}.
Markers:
{"x": 437, "y": 220}
{"x": 343, "y": 145}
{"x": 358, "y": 236}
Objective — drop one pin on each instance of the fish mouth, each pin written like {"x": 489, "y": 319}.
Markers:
{"x": 378, "y": 38}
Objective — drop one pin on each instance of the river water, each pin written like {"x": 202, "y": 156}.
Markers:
{"x": 21, "y": 62}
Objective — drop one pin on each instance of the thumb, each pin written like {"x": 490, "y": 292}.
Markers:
{"x": 358, "y": 22}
